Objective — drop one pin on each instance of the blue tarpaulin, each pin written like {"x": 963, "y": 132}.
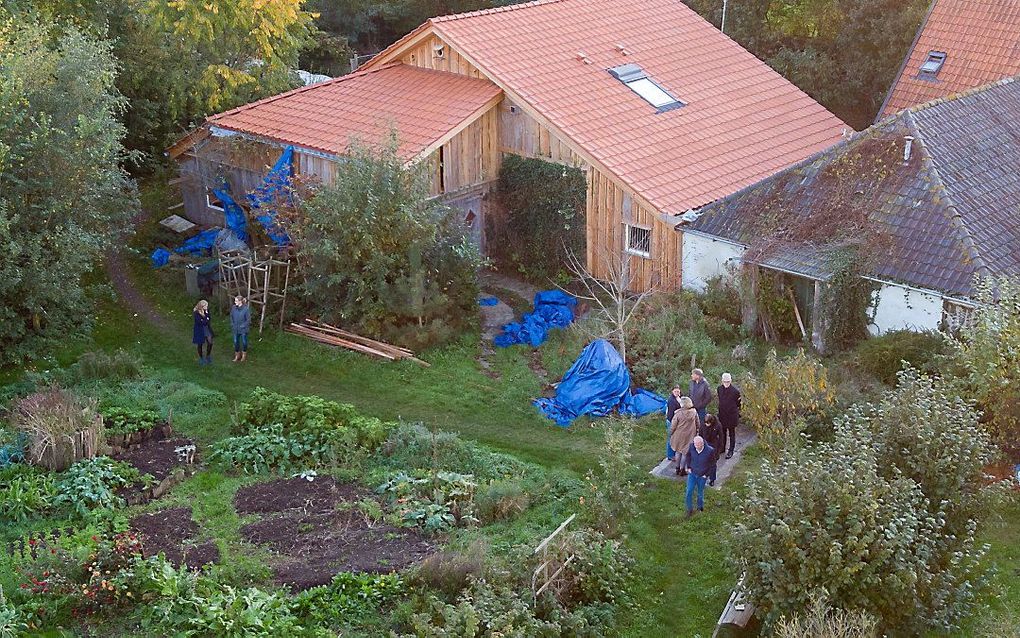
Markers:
{"x": 553, "y": 309}
{"x": 597, "y": 384}
{"x": 200, "y": 244}
{"x": 488, "y": 301}
{"x": 232, "y": 213}
{"x": 275, "y": 186}
{"x": 160, "y": 257}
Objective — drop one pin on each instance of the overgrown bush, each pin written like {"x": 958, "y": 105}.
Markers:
{"x": 611, "y": 498}
{"x": 381, "y": 257}
{"x": 501, "y": 500}
{"x": 104, "y": 366}
{"x": 544, "y": 219}
{"x": 720, "y": 303}
{"x": 782, "y": 397}
{"x": 451, "y": 571}
{"x": 883, "y": 356}
{"x": 412, "y": 446}
{"x": 883, "y": 519}
{"x": 61, "y": 427}
{"x": 986, "y": 352}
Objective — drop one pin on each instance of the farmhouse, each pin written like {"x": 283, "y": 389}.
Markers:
{"x": 661, "y": 111}
{"x": 960, "y": 45}
{"x": 933, "y": 192}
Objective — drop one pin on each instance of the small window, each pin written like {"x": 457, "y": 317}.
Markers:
{"x": 933, "y": 64}
{"x": 639, "y": 241}
{"x": 635, "y": 78}
{"x": 212, "y": 201}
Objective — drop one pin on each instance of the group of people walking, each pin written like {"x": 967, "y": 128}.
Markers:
{"x": 202, "y": 333}
{"x": 699, "y": 438}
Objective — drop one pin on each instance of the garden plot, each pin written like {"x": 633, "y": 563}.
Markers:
{"x": 166, "y": 460}
{"x": 172, "y": 532}
{"x": 322, "y": 527}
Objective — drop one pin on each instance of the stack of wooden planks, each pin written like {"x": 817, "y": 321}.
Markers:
{"x": 333, "y": 336}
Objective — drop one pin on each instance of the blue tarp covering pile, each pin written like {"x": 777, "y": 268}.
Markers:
{"x": 160, "y": 257}
{"x": 200, "y": 243}
{"x": 597, "y": 384}
{"x": 233, "y": 213}
{"x": 275, "y": 186}
{"x": 488, "y": 301}
{"x": 553, "y": 309}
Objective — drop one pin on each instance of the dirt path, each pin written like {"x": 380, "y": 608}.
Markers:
{"x": 129, "y": 295}
{"x": 745, "y": 437}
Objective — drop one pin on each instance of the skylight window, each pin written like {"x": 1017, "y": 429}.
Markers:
{"x": 933, "y": 64}
{"x": 638, "y": 81}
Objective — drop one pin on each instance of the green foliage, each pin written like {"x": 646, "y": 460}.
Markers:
{"x": 822, "y": 622}
{"x": 103, "y": 366}
{"x": 883, "y": 356}
{"x": 347, "y": 599}
{"x": 987, "y": 351}
{"x": 90, "y": 486}
{"x": 774, "y": 305}
{"x": 451, "y": 571}
{"x": 25, "y": 492}
{"x": 501, "y": 500}
{"x": 721, "y": 305}
{"x": 12, "y": 622}
{"x": 882, "y": 519}
{"x": 544, "y": 220}
{"x": 119, "y": 420}
{"x": 610, "y": 500}
{"x": 411, "y": 446}
{"x": 382, "y": 257}
{"x": 63, "y": 193}
{"x": 434, "y": 504}
{"x": 847, "y": 300}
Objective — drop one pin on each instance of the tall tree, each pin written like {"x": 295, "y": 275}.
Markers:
{"x": 62, "y": 189}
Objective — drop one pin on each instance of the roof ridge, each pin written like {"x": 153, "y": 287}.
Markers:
{"x": 300, "y": 89}
{"x": 955, "y": 219}
{"x": 481, "y": 12}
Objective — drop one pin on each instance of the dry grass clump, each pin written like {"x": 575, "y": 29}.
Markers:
{"x": 61, "y": 427}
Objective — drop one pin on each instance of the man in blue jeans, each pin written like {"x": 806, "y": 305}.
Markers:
{"x": 699, "y": 460}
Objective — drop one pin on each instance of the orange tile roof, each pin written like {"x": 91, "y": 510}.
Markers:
{"x": 422, "y": 105}
{"x": 981, "y": 40}
{"x": 742, "y": 121}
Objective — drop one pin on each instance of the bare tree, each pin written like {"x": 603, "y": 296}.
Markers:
{"x": 612, "y": 295}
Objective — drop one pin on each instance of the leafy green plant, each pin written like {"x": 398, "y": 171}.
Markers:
{"x": 448, "y": 502}
{"x": 268, "y": 449}
{"x": 883, "y": 356}
{"x": 120, "y": 420}
{"x": 412, "y": 446}
{"x": 310, "y": 414}
{"x": 611, "y": 495}
{"x": 90, "y": 486}
{"x": 25, "y": 492}
{"x": 347, "y": 599}
{"x": 104, "y": 366}
{"x": 12, "y": 622}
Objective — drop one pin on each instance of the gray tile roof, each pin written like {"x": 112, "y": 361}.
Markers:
{"x": 950, "y": 212}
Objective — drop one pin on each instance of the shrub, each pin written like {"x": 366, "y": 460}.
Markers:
{"x": 501, "y": 500}
{"x": 414, "y": 447}
{"x": 382, "y": 256}
{"x": 91, "y": 485}
{"x": 103, "y": 366}
{"x": 25, "y": 492}
{"x": 782, "y": 397}
{"x": 346, "y": 600}
{"x": 544, "y": 219}
{"x": 127, "y": 420}
{"x": 611, "y": 497}
{"x": 310, "y": 414}
{"x": 720, "y": 301}
{"x": 883, "y": 356}
{"x": 61, "y": 427}
{"x": 451, "y": 571}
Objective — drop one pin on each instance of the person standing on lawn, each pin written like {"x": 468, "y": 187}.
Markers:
{"x": 202, "y": 332}
{"x": 700, "y": 393}
{"x": 240, "y": 322}
{"x": 672, "y": 405}
{"x": 711, "y": 431}
{"x": 683, "y": 429}
{"x": 729, "y": 413}
{"x": 698, "y": 461}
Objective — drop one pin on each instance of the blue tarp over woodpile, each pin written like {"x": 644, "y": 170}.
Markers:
{"x": 275, "y": 189}
{"x": 596, "y": 385}
{"x": 553, "y": 309}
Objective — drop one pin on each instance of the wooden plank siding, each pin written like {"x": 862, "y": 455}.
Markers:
{"x": 312, "y": 165}
{"x": 521, "y": 134}
{"x": 609, "y": 208}
{"x": 425, "y": 55}
{"x": 471, "y": 158}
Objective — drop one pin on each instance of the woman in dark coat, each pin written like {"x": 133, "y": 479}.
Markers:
{"x": 202, "y": 333}
{"x": 712, "y": 432}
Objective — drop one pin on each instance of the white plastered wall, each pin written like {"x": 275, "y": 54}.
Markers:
{"x": 704, "y": 257}
{"x": 901, "y": 308}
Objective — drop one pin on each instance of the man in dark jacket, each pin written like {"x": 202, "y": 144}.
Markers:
{"x": 698, "y": 461}
{"x": 672, "y": 405}
{"x": 729, "y": 413}
{"x": 700, "y": 393}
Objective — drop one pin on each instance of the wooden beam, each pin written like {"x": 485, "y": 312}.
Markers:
{"x": 452, "y": 133}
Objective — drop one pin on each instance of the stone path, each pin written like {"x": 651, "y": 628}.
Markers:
{"x": 493, "y": 279}
{"x": 745, "y": 436}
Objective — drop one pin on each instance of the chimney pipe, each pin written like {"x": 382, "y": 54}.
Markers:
{"x": 908, "y": 141}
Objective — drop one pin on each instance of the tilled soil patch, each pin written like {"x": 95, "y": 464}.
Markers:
{"x": 155, "y": 456}
{"x": 172, "y": 532}
{"x": 316, "y": 537}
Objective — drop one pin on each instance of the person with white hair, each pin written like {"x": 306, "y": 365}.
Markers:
{"x": 729, "y": 413}
{"x": 698, "y": 461}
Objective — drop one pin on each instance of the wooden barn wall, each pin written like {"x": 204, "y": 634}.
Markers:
{"x": 521, "y": 134}
{"x": 424, "y": 55}
{"x": 312, "y": 165}
{"x": 471, "y": 158}
{"x": 609, "y": 207}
